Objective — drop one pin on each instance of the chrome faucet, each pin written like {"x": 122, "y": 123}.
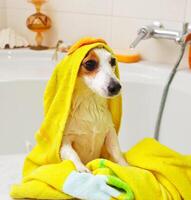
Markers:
{"x": 157, "y": 30}
{"x": 55, "y": 55}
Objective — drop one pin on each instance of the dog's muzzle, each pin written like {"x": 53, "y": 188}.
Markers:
{"x": 113, "y": 88}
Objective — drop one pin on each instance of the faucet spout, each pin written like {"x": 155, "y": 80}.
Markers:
{"x": 143, "y": 33}
{"x": 157, "y": 31}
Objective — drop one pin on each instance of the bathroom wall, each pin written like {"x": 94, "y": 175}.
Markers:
{"x": 2, "y": 14}
{"x": 115, "y": 20}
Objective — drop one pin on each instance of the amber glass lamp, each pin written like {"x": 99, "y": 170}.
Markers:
{"x": 38, "y": 23}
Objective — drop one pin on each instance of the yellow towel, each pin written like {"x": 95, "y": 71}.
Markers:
{"x": 155, "y": 172}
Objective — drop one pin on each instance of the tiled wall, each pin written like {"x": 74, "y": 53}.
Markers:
{"x": 115, "y": 20}
{"x": 2, "y": 14}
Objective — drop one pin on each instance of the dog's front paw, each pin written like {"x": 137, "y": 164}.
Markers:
{"x": 82, "y": 168}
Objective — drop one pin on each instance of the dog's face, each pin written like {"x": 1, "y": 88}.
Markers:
{"x": 97, "y": 70}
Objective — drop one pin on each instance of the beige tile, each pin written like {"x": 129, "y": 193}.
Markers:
{"x": 72, "y": 19}
{"x": 2, "y": 18}
{"x": 16, "y": 19}
{"x": 124, "y": 31}
{"x": 66, "y": 26}
{"x": 150, "y": 9}
{"x": 188, "y": 11}
{"x": 2, "y": 3}
{"x": 70, "y": 27}
{"x": 18, "y": 4}
{"x": 81, "y": 6}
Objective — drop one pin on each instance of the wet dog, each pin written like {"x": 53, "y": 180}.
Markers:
{"x": 90, "y": 128}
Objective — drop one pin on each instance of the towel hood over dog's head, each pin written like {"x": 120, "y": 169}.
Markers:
{"x": 57, "y": 101}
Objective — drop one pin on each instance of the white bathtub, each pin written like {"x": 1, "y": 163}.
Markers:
{"x": 23, "y": 76}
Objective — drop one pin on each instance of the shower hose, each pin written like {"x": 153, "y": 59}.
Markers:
{"x": 166, "y": 91}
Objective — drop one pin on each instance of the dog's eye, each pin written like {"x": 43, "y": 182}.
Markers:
{"x": 90, "y": 65}
{"x": 113, "y": 62}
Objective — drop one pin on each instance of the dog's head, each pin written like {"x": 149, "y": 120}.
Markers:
{"x": 98, "y": 72}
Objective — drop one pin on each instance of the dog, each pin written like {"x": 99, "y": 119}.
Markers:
{"x": 89, "y": 128}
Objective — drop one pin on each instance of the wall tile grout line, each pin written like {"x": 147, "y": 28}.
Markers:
{"x": 101, "y": 15}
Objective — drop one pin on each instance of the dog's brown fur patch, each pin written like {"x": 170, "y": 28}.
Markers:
{"x": 90, "y": 56}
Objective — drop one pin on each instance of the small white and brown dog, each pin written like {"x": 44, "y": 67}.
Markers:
{"x": 89, "y": 127}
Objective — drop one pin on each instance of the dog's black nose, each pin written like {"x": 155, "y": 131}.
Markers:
{"x": 114, "y": 87}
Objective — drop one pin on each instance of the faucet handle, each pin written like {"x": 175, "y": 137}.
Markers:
{"x": 146, "y": 32}
{"x": 158, "y": 24}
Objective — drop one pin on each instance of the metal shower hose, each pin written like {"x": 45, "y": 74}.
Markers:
{"x": 165, "y": 92}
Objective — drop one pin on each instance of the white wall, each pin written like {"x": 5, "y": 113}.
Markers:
{"x": 116, "y": 21}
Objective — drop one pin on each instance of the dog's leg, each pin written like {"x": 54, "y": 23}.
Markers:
{"x": 68, "y": 153}
{"x": 112, "y": 146}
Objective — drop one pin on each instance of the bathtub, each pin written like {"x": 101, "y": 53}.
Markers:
{"x": 23, "y": 77}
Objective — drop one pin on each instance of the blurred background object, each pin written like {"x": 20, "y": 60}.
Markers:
{"x": 38, "y": 23}
{"x": 9, "y": 38}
